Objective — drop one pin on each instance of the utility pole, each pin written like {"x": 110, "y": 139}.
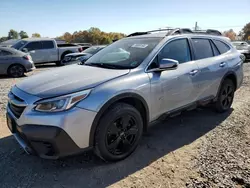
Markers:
{"x": 196, "y": 26}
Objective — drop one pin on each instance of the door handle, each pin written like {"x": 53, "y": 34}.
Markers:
{"x": 193, "y": 72}
{"x": 222, "y": 64}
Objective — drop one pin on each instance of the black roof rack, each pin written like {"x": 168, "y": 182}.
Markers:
{"x": 179, "y": 31}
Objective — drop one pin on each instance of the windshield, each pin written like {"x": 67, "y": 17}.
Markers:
{"x": 126, "y": 53}
{"x": 92, "y": 50}
{"x": 19, "y": 44}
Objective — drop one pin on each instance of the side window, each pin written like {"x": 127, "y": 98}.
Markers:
{"x": 4, "y": 53}
{"x": 202, "y": 48}
{"x": 178, "y": 50}
{"x": 223, "y": 48}
{"x": 48, "y": 44}
{"x": 34, "y": 46}
{"x": 215, "y": 50}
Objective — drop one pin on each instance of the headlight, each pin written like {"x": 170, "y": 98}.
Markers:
{"x": 61, "y": 103}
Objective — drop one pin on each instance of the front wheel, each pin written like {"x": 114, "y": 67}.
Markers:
{"x": 226, "y": 96}
{"x": 118, "y": 133}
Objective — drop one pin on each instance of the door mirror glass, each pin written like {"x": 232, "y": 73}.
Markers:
{"x": 168, "y": 64}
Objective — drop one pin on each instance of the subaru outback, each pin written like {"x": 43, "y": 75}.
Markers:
{"x": 107, "y": 103}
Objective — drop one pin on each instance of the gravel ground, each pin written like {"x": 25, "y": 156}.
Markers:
{"x": 197, "y": 149}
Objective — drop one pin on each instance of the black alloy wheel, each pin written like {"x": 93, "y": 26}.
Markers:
{"x": 118, "y": 132}
{"x": 226, "y": 96}
{"x": 121, "y": 135}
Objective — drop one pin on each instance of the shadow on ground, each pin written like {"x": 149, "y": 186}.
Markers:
{"x": 19, "y": 169}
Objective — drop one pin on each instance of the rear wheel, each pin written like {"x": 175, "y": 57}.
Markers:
{"x": 226, "y": 96}
{"x": 118, "y": 133}
{"x": 16, "y": 71}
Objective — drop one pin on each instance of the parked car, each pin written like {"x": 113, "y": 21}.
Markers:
{"x": 107, "y": 103}
{"x": 243, "y": 47}
{"x": 81, "y": 57}
{"x": 9, "y": 43}
{"x": 45, "y": 50}
{"x": 15, "y": 63}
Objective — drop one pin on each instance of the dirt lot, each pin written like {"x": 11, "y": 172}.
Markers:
{"x": 197, "y": 149}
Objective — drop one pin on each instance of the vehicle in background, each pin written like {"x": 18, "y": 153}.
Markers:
{"x": 243, "y": 47}
{"x": 14, "y": 62}
{"x": 82, "y": 56}
{"x": 45, "y": 50}
{"x": 107, "y": 103}
{"x": 9, "y": 43}
{"x": 84, "y": 45}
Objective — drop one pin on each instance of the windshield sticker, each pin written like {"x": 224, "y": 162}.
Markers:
{"x": 139, "y": 45}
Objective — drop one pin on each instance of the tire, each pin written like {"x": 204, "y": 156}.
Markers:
{"x": 225, "y": 97}
{"x": 16, "y": 71}
{"x": 118, "y": 132}
{"x": 58, "y": 63}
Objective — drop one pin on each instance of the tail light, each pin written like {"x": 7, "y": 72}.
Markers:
{"x": 243, "y": 57}
{"x": 27, "y": 57}
{"x": 80, "y": 49}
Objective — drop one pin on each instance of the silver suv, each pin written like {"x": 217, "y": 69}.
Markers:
{"x": 110, "y": 101}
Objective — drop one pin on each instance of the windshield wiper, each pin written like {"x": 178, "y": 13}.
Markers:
{"x": 107, "y": 65}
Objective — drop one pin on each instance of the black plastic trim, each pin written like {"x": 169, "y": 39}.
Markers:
{"x": 38, "y": 137}
{"x": 108, "y": 104}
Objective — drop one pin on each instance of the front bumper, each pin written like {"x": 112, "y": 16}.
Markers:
{"x": 50, "y": 135}
{"x": 46, "y": 141}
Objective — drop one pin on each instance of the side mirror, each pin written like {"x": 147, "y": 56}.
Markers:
{"x": 33, "y": 51}
{"x": 166, "y": 64}
{"x": 25, "y": 50}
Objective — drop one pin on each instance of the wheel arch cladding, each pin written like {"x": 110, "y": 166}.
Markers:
{"x": 229, "y": 75}
{"x": 129, "y": 98}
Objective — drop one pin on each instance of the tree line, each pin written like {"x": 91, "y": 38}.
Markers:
{"x": 92, "y": 35}
{"x": 96, "y": 36}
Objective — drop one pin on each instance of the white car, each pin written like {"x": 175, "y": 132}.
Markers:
{"x": 243, "y": 47}
{"x": 45, "y": 50}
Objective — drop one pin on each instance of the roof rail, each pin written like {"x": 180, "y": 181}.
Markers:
{"x": 179, "y": 31}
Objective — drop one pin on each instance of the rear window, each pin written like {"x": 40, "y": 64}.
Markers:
{"x": 47, "y": 44}
{"x": 202, "y": 48}
{"x": 223, "y": 48}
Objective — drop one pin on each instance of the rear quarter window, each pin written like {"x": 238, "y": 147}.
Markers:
{"x": 222, "y": 47}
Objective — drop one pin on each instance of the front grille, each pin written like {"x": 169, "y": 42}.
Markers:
{"x": 16, "y": 105}
{"x": 16, "y": 110}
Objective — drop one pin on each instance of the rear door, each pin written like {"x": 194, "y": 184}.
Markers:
{"x": 172, "y": 89}
{"x": 50, "y": 50}
{"x": 212, "y": 67}
{"x": 5, "y": 61}
{"x": 36, "y": 52}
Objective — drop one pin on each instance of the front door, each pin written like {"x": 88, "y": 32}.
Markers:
{"x": 173, "y": 89}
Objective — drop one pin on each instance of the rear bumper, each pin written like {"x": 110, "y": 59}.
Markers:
{"x": 31, "y": 69}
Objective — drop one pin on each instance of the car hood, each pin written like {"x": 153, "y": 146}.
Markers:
{"x": 67, "y": 80}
